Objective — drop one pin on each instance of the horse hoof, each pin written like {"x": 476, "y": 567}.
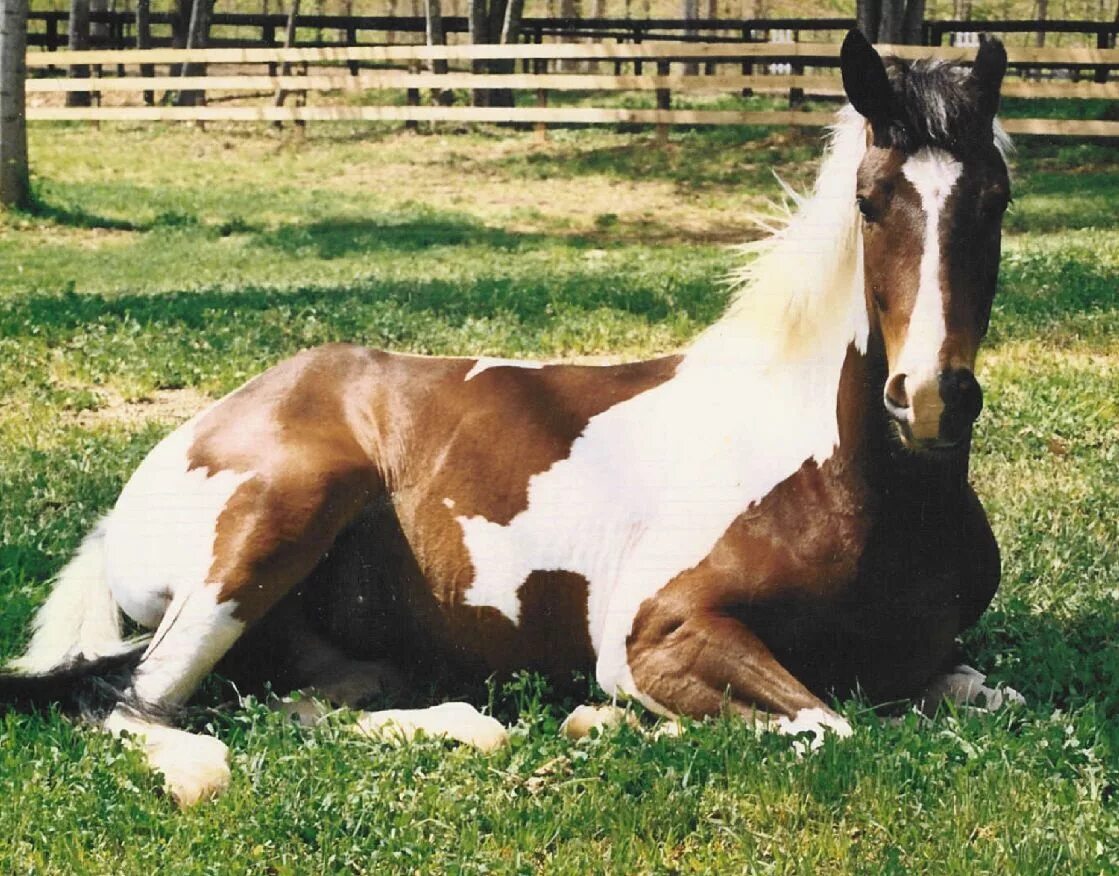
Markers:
{"x": 586, "y": 719}
{"x": 458, "y": 721}
{"x": 816, "y": 722}
{"x": 194, "y": 768}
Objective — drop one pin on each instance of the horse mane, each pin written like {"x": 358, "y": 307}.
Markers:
{"x": 806, "y": 274}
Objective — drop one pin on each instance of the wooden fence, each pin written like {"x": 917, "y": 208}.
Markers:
{"x": 48, "y": 29}
{"x": 239, "y": 70}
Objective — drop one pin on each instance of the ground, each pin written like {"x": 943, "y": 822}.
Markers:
{"x": 163, "y": 266}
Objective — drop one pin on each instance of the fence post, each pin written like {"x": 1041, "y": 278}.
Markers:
{"x": 796, "y": 95}
{"x": 413, "y": 99}
{"x": 1102, "y": 42}
{"x": 664, "y": 102}
{"x": 542, "y": 126}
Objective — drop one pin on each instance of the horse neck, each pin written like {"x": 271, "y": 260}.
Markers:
{"x": 901, "y": 479}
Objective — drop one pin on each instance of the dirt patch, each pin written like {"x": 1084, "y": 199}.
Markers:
{"x": 165, "y": 405}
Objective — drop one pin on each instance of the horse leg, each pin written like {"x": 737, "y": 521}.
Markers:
{"x": 268, "y": 539}
{"x": 327, "y": 676}
{"x": 194, "y": 633}
{"x": 698, "y": 662}
{"x": 964, "y": 686}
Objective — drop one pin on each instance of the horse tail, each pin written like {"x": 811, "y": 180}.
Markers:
{"x": 89, "y": 686}
{"x": 76, "y": 644}
{"x": 80, "y": 619}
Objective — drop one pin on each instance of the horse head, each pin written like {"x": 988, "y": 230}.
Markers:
{"x": 932, "y": 189}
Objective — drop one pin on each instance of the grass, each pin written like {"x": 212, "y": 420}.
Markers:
{"x": 173, "y": 262}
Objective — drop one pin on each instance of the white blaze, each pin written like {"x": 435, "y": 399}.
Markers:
{"x": 933, "y": 173}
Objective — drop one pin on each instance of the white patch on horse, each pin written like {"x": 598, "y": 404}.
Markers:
{"x": 933, "y": 173}
{"x": 486, "y": 362}
{"x": 448, "y": 503}
{"x": 159, "y": 538}
{"x": 816, "y": 722}
{"x": 653, "y": 483}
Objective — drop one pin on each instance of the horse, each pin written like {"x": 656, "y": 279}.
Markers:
{"x": 775, "y": 516}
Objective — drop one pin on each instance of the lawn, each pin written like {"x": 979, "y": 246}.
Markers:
{"x": 164, "y": 266}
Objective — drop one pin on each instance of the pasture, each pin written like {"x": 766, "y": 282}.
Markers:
{"x": 164, "y": 266}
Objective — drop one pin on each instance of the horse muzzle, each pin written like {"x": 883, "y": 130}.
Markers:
{"x": 935, "y": 414}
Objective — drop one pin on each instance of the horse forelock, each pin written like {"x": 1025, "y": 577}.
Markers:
{"x": 937, "y": 106}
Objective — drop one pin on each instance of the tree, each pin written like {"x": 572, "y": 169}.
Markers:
{"x": 78, "y": 39}
{"x": 891, "y": 21}
{"x": 494, "y": 21}
{"x": 14, "y": 186}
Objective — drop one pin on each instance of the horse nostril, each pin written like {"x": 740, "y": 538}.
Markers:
{"x": 896, "y": 396}
{"x": 961, "y": 392}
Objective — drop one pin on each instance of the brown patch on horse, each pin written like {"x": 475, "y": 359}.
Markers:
{"x": 292, "y": 429}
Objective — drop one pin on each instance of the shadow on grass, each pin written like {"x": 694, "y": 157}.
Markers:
{"x": 696, "y": 159}
{"x": 1066, "y": 662}
{"x": 68, "y": 215}
{"x": 74, "y": 217}
{"x": 350, "y": 310}
{"x": 338, "y": 237}
{"x": 1062, "y": 201}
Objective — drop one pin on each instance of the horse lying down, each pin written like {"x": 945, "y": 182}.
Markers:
{"x": 776, "y": 514}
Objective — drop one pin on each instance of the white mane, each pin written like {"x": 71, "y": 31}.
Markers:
{"x": 806, "y": 280}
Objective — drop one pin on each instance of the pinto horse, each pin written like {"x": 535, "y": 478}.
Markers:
{"x": 777, "y": 514}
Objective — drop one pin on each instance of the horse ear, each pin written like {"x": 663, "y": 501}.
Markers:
{"x": 987, "y": 73}
{"x": 865, "y": 81}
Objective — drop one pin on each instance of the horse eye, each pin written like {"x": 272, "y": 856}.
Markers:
{"x": 866, "y": 208}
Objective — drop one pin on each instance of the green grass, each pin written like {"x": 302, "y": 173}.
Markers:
{"x": 172, "y": 261}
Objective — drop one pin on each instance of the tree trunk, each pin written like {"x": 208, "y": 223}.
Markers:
{"x": 98, "y": 30}
{"x": 868, "y": 16}
{"x": 511, "y": 25}
{"x": 1042, "y": 15}
{"x": 892, "y": 21}
{"x": 289, "y": 41}
{"x": 144, "y": 41}
{"x": 78, "y": 41}
{"x": 437, "y": 36}
{"x": 197, "y": 33}
{"x": 478, "y": 26}
{"x": 913, "y": 26}
{"x": 690, "y": 14}
{"x": 14, "y": 186}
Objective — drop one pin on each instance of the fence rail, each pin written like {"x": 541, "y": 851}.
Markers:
{"x": 827, "y": 53}
{"x": 321, "y": 77}
{"x": 49, "y": 28}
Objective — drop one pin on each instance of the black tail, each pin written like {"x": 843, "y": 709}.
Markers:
{"x": 85, "y": 686}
